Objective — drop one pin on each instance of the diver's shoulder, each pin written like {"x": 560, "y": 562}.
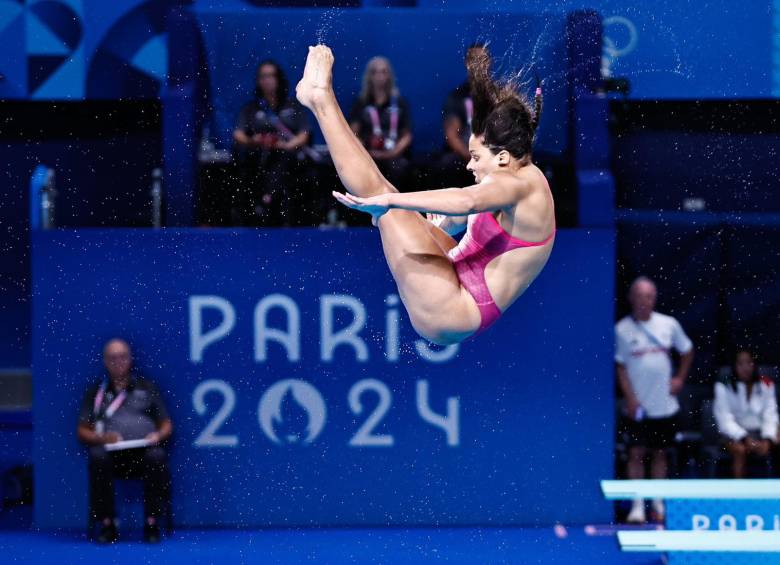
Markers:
{"x": 515, "y": 180}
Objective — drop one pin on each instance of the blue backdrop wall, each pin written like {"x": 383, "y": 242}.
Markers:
{"x": 348, "y": 419}
{"x": 670, "y": 49}
{"x": 90, "y": 48}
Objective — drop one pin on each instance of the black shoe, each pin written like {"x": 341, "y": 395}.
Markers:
{"x": 151, "y": 533}
{"x": 108, "y": 533}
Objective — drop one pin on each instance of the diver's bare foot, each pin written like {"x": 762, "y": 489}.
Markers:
{"x": 317, "y": 82}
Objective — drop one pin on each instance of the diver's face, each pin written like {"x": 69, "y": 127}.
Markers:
{"x": 483, "y": 162}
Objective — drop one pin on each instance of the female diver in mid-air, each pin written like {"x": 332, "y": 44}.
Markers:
{"x": 451, "y": 290}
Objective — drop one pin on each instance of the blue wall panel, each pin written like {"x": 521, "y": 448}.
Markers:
{"x": 668, "y": 49}
{"x": 534, "y": 394}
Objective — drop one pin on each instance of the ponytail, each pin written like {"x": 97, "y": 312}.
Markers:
{"x": 503, "y": 117}
{"x": 538, "y": 100}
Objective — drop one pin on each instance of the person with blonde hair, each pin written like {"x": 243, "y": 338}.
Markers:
{"x": 380, "y": 117}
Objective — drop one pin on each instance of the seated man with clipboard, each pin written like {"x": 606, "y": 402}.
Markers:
{"x": 124, "y": 421}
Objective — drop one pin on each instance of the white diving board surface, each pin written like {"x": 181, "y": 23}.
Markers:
{"x": 693, "y": 489}
{"x": 759, "y": 541}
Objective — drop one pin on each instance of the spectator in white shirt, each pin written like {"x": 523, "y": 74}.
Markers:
{"x": 745, "y": 410}
{"x": 643, "y": 344}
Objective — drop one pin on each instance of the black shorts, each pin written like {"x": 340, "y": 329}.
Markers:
{"x": 653, "y": 433}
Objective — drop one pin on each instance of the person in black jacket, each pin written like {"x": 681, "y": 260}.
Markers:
{"x": 270, "y": 133}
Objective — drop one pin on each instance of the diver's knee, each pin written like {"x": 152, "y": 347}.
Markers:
{"x": 386, "y": 187}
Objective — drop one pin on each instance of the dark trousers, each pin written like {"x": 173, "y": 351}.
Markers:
{"x": 149, "y": 464}
{"x": 269, "y": 189}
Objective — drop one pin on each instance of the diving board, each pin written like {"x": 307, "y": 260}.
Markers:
{"x": 709, "y": 541}
{"x": 731, "y": 489}
{"x": 707, "y": 521}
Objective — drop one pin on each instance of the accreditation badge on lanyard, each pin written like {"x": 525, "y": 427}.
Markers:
{"x": 378, "y": 135}
{"x": 110, "y": 410}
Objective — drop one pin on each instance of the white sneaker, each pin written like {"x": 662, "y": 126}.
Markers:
{"x": 637, "y": 514}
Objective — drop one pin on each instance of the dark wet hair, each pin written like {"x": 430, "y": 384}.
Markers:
{"x": 733, "y": 379}
{"x": 475, "y": 45}
{"x": 282, "y": 84}
{"x": 502, "y": 114}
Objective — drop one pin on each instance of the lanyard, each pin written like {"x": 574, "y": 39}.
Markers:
{"x": 469, "y": 103}
{"x": 114, "y": 406}
{"x": 377, "y": 125}
{"x": 275, "y": 120}
{"x": 285, "y": 132}
{"x": 649, "y": 334}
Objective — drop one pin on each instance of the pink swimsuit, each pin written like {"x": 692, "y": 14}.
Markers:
{"x": 484, "y": 240}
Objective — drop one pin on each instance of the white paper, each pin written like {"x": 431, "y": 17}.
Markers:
{"x": 127, "y": 444}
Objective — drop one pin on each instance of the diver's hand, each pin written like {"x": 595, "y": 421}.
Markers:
{"x": 374, "y": 205}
